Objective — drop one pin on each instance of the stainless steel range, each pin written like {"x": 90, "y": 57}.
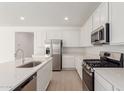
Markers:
{"x": 107, "y": 60}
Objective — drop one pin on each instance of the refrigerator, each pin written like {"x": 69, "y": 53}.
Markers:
{"x": 53, "y": 48}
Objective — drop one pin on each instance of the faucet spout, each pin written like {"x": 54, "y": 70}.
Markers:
{"x": 22, "y": 56}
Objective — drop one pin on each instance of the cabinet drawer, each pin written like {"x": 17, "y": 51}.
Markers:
{"x": 68, "y": 61}
{"x": 101, "y": 84}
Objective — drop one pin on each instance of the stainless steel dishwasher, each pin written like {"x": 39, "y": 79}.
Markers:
{"x": 29, "y": 84}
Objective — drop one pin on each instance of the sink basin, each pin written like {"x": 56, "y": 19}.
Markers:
{"x": 30, "y": 64}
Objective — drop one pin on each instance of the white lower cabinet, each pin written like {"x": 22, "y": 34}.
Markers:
{"x": 44, "y": 76}
{"x": 101, "y": 84}
{"x": 78, "y": 65}
{"x": 68, "y": 61}
{"x": 72, "y": 61}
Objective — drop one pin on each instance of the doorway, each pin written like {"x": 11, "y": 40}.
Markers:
{"x": 25, "y": 41}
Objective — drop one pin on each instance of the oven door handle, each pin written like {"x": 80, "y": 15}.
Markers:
{"x": 89, "y": 73}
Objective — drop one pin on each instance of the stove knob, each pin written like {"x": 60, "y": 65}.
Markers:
{"x": 88, "y": 67}
{"x": 92, "y": 70}
{"x": 84, "y": 64}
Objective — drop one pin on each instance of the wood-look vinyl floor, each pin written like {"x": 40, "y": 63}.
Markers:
{"x": 65, "y": 81}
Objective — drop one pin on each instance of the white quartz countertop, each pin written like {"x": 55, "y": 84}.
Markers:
{"x": 11, "y": 76}
{"x": 114, "y": 75}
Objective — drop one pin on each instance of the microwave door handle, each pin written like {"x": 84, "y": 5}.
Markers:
{"x": 98, "y": 36}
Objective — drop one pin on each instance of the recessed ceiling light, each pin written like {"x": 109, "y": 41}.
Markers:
{"x": 66, "y": 18}
{"x": 22, "y": 18}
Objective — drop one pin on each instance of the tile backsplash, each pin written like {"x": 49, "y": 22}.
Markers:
{"x": 97, "y": 49}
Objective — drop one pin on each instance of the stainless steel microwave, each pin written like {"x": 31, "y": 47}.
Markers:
{"x": 100, "y": 35}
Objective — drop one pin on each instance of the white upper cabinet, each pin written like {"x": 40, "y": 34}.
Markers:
{"x": 100, "y": 15}
{"x": 117, "y": 23}
{"x": 104, "y": 13}
{"x": 55, "y": 34}
{"x": 88, "y": 32}
{"x": 85, "y": 34}
{"x": 39, "y": 38}
{"x": 96, "y": 19}
{"x": 82, "y": 36}
{"x": 70, "y": 38}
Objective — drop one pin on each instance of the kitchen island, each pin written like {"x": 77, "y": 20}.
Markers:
{"x": 11, "y": 76}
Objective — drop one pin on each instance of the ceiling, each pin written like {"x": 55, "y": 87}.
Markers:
{"x": 46, "y": 14}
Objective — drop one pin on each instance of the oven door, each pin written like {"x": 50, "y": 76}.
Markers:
{"x": 88, "y": 80}
{"x": 95, "y": 37}
{"x": 104, "y": 34}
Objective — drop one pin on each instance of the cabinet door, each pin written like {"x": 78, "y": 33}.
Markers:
{"x": 70, "y": 38}
{"x": 78, "y": 65}
{"x": 103, "y": 13}
{"x": 101, "y": 84}
{"x": 43, "y": 38}
{"x": 39, "y": 38}
{"x": 44, "y": 76}
{"x": 100, "y": 16}
{"x": 96, "y": 19}
{"x": 88, "y": 32}
{"x": 56, "y": 34}
{"x": 85, "y": 34}
{"x": 80, "y": 71}
{"x": 82, "y": 37}
{"x": 117, "y": 23}
{"x": 37, "y": 42}
{"x": 68, "y": 61}
{"x": 76, "y": 62}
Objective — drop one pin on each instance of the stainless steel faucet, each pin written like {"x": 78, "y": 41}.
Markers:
{"x": 22, "y": 57}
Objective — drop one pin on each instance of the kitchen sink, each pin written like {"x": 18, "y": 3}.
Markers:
{"x": 30, "y": 64}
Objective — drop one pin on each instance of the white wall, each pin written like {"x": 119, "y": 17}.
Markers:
{"x": 97, "y": 49}
{"x": 7, "y": 39}
{"x": 6, "y": 46}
